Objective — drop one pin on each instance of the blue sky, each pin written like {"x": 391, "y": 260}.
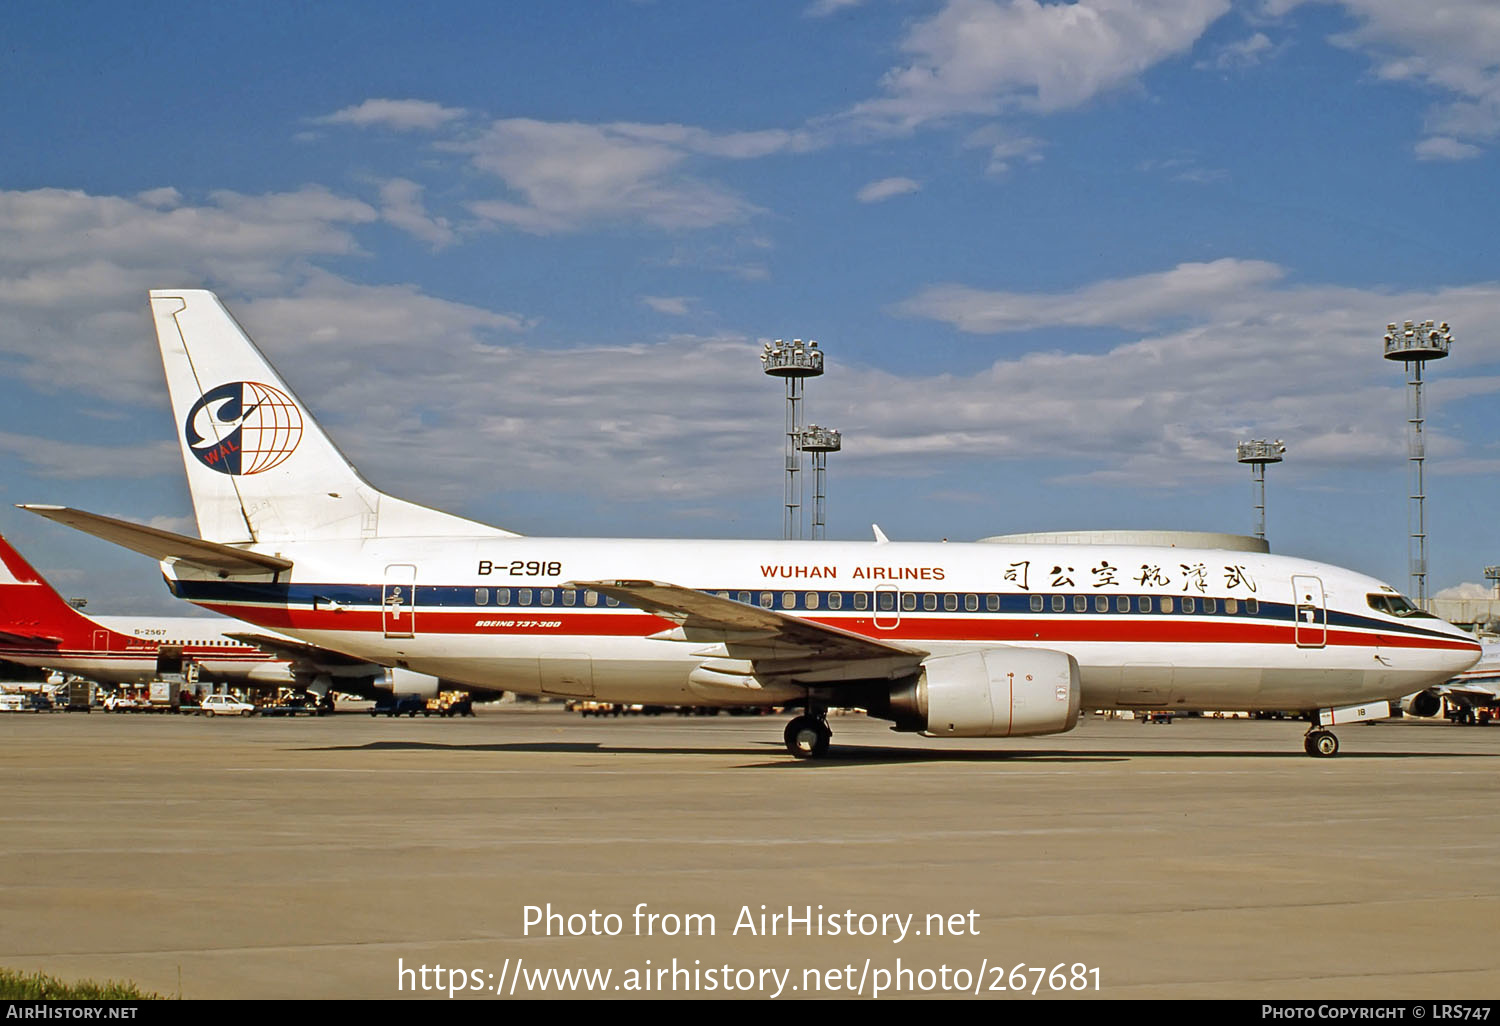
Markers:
{"x": 520, "y": 259}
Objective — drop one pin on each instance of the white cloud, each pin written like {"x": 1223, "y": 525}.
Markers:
{"x": 886, "y": 188}
{"x": 1004, "y": 147}
{"x": 674, "y": 306}
{"x": 566, "y": 175}
{"x": 1467, "y": 590}
{"x": 1224, "y": 350}
{"x": 75, "y": 268}
{"x": 823, "y": 8}
{"x": 399, "y": 115}
{"x": 1448, "y": 46}
{"x": 1243, "y": 53}
{"x": 448, "y": 400}
{"x": 401, "y": 205}
{"x": 984, "y": 56}
{"x": 1445, "y": 147}
{"x": 1127, "y": 302}
{"x": 76, "y": 461}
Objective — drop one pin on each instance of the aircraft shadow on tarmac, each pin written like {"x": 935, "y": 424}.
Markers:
{"x": 877, "y": 755}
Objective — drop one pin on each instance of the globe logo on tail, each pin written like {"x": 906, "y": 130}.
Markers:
{"x": 243, "y": 427}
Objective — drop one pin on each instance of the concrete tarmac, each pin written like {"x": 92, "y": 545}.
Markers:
{"x": 319, "y": 858}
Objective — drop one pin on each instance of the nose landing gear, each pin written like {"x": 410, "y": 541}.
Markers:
{"x": 807, "y": 736}
{"x": 1321, "y": 744}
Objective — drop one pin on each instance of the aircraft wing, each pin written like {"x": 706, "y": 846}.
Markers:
{"x": 1475, "y": 693}
{"x": 164, "y": 545}
{"x": 778, "y": 642}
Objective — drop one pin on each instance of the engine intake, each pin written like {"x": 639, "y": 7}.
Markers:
{"x": 995, "y": 692}
{"x": 1423, "y": 703}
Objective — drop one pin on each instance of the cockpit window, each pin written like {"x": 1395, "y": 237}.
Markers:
{"x": 1396, "y": 605}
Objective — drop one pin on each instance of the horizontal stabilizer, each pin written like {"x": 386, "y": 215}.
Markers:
{"x": 164, "y": 545}
{"x": 17, "y": 638}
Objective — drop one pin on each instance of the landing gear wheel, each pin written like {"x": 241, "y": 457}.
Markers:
{"x": 1321, "y": 744}
{"x": 807, "y": 737}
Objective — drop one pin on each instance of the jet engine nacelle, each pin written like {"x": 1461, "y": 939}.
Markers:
{"x": 1423, "y": 703}
{"x": 408, "y": 682}
{"x": 995, "y": 692}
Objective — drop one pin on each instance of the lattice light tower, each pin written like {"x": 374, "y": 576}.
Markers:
{"x": 795, "y": 361}
{"x": 1258, "y": 453}
{"x": 1492, "y": 574}
{"x": 820, "y": 441}
{"x": 1414, "y": 343}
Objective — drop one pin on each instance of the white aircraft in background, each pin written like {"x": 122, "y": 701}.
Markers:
{"x": 950, "y": 640}
{"x": 1477, "y": 688}
{"x": 39, "y": 628}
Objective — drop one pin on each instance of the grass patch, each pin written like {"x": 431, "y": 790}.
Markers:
{"x": 18, "y": 986}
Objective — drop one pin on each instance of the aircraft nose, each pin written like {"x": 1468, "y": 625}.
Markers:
{"x": 1462, "y": 656}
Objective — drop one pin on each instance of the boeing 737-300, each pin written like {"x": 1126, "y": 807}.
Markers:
{"x": 949, "y": 640}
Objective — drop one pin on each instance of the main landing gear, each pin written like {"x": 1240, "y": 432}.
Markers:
{"x": 808, "y": 735}
{"x": 1321, "y": 744}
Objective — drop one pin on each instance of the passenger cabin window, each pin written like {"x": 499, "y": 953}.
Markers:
{"x": 1122, "y": 603}
{"x": 861, "y": 600}
{"x": 789, "y": 600}
{"x": 812, "y": 600}
{"x": 971, "y": 603}
{"x": 929, "y": 601}
{"x": 570, "y": 597}
{"x": 1189, "y": 604}
{"x": 481, "y": 596}
{"x": 1080, "y": 603}
{"x": 992, "y": 603}
{"x": 1145, "y": 603}
{"x": 1059, "y": 603}
{"x": 766, "y": 599}
{"x": 1166, "y": 604}
{"x": 950, "y": 602}
{"x": 835, "y": 600}
{"x": 908, "y": 600}
{"x": 590, "y": 598}
{"x": 524, "y": 594}
{"x": 1231, "y": 605}
{"x": 1036, "y": 603}
{"x": 885, "y": 601}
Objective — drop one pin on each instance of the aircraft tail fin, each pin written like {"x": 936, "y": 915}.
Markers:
{"x": 259, "y": 467}
{"x": 31, "y": 612}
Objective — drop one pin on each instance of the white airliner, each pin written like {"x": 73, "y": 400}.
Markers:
{"x": 950, "y": 640}
{"x": 39, "y": 628}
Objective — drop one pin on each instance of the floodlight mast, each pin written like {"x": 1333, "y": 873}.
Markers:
{"x": 820, "y": 441}
{"x": 1257, "y": 454}
{"x": 1492, "y": 574}
{"x": 1414, "y": 343}
{"x": 795, "y": 361}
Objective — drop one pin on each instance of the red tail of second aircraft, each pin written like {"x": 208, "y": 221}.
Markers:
{"x": 31, "y": 612}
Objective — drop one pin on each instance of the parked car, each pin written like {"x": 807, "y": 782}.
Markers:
{"x": 226, "y": 705}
